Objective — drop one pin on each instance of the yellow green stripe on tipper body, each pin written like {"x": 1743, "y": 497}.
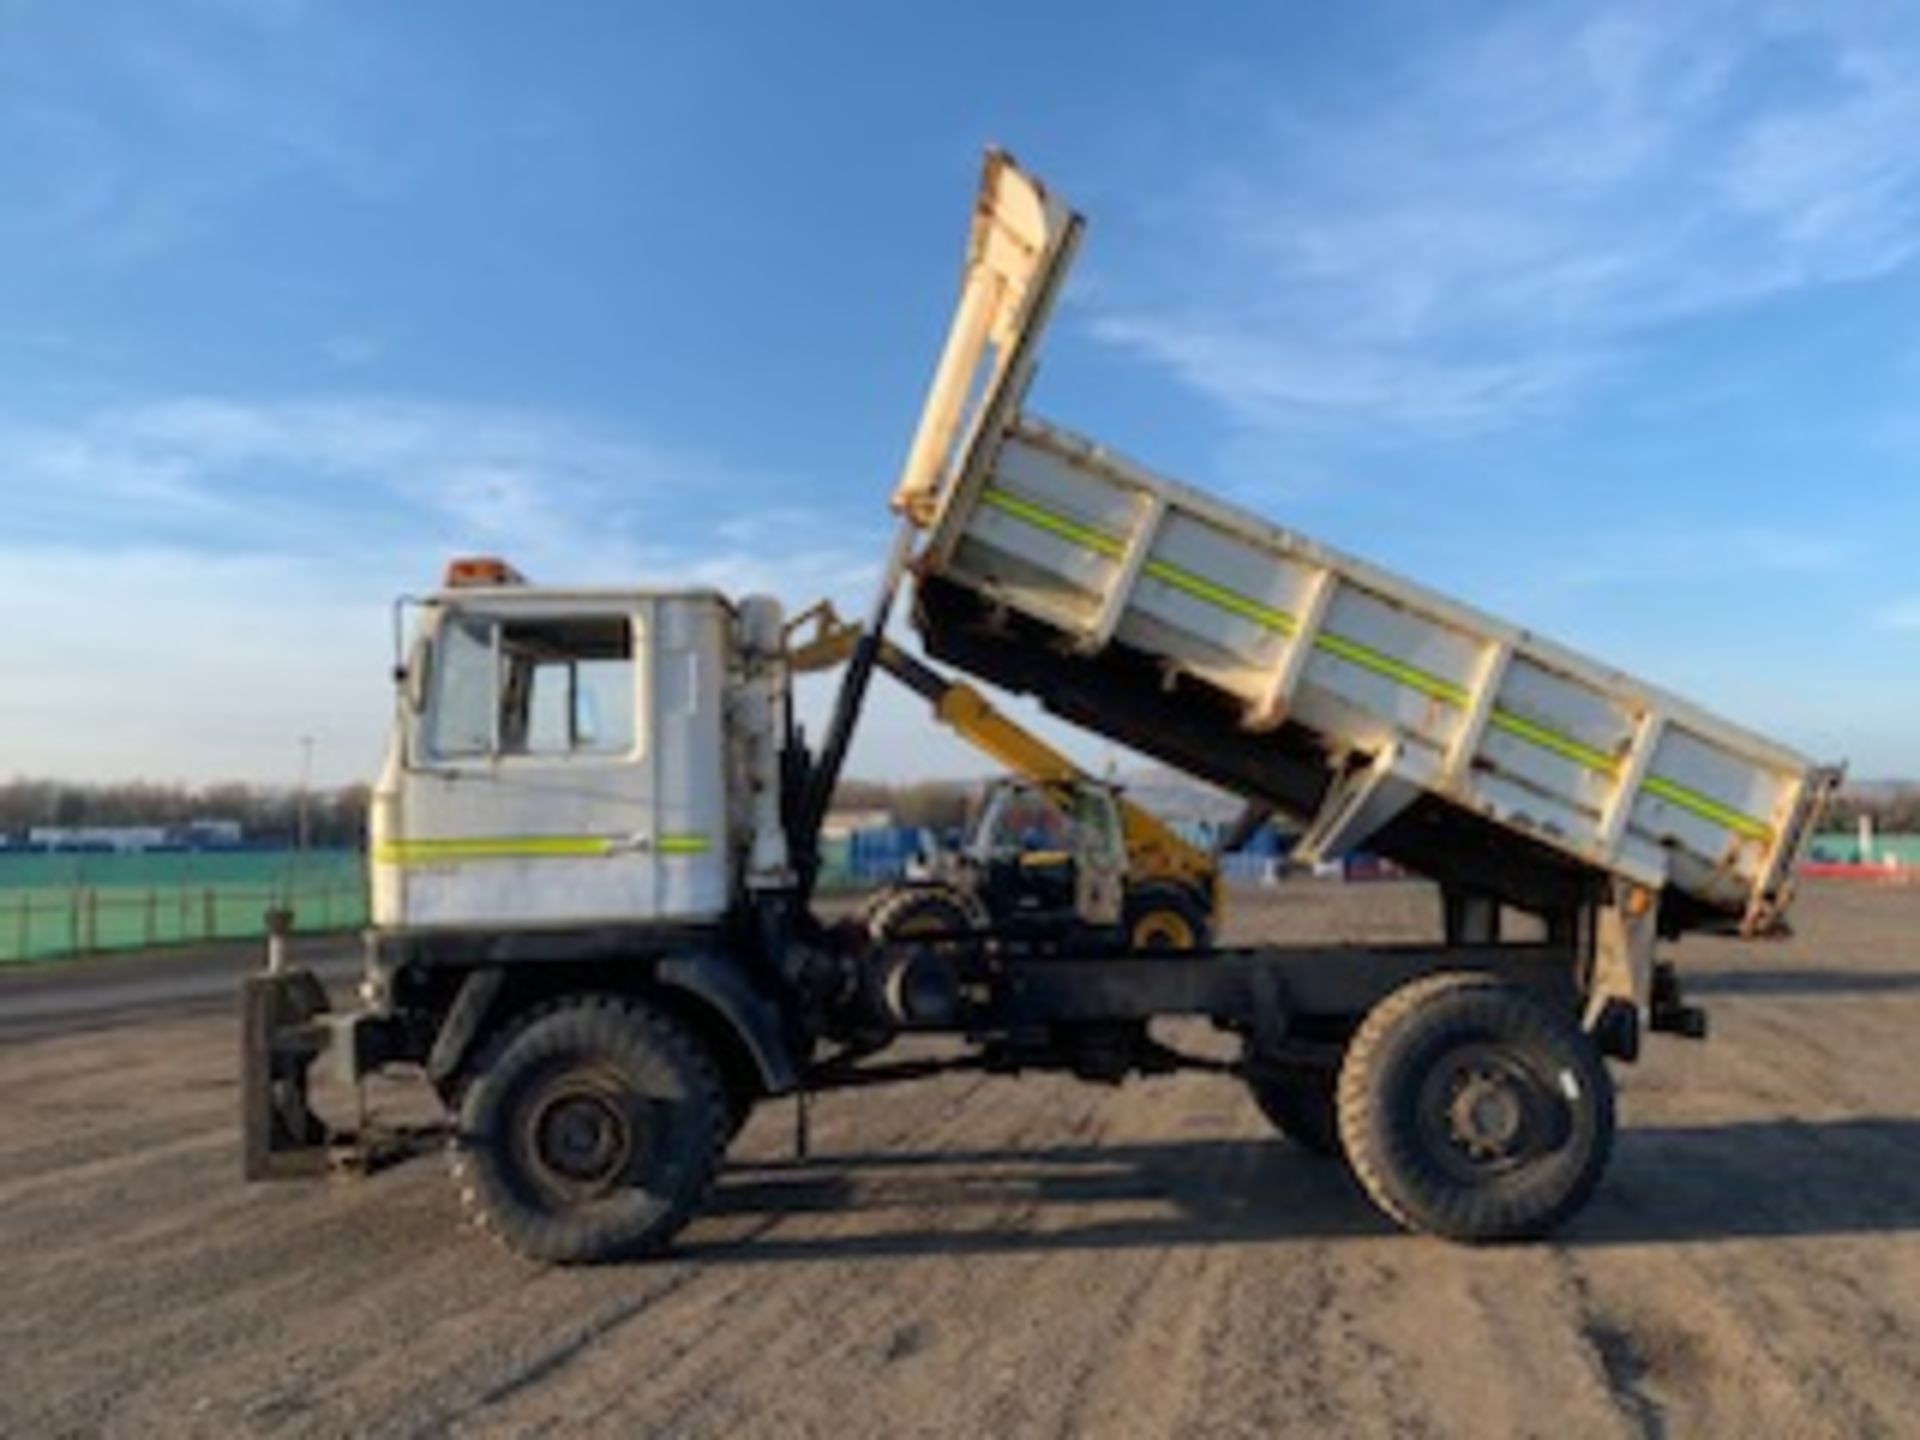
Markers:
{"x": 1564, "y": 746}
{"x": 1218, "y": 595}
{"x": 1437, "y": 687}
{"x": 531, "y": 847}
{"x": 1706, "y": 808}
{"x": 1041, "y": 518}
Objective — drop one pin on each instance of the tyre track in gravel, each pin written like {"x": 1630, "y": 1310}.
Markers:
{"x": 729, "y": 1230}
{"x": 816, "y": 1306}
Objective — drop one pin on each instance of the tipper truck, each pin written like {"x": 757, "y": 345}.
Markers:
{"x": 595, "y": 837}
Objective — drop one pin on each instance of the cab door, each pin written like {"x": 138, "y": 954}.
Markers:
{"x": 1099, "y": 859}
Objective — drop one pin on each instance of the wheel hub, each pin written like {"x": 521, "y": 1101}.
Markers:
{"x": 1487, "y": 1115}
{"x": 1482, "y": 1111}
{"x": 582, "y": 1138}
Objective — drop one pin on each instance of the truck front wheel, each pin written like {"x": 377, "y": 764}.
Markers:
{"x": 1471, "y": 1110}
{"x": 591, "y": 1130}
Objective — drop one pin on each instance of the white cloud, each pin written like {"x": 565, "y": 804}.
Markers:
{"x": 354, "y": 474}
{"x": 1900, "y": 615}
{"x": 208, "y": 579}
{"x": 168, "y": 663}
{"x": 1503, "y": 212}
{"x": 188, "y": 109}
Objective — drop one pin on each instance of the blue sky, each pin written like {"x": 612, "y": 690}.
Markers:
{"x": 1605, "y": 318}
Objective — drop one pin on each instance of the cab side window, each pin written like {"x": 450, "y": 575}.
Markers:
{"x": 460, "y": 716}
{"x": 556, "y": 687}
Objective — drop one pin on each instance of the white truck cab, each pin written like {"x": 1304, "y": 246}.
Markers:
{"x": 562, "y": 757}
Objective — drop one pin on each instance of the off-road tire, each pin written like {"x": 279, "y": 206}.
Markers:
{"x": 1161, "y": 917}
{"x": 1302, "y": 1104}
{"x": 622, "y": 1064}
{"x": 920, "y": 912}
{"x": 740, "y": 1109}
{"x": 1413, "y": 1153}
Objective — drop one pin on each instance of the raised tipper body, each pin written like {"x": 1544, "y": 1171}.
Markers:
{"x": 1393, "y": 716}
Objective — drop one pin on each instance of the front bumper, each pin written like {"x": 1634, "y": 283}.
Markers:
{"x": 287, "y": 1025}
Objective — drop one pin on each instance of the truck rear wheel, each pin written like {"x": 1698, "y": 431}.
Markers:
{"x": 920, "y": 912}
{"x": 1473, "y": 1111}
{"x": 591, "y": 1130}
{"x": 1301, "y": 1104}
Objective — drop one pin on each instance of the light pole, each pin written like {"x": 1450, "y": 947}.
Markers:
{"x": 306, "y": 781}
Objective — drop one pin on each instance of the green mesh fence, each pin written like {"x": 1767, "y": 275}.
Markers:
{"x": 79, "y": 904}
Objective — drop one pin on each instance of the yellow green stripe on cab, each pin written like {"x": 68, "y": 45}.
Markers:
{"x": 531, "y": 847}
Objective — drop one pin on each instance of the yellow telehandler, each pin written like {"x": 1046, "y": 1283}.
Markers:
{"x": 1055, "y": 855}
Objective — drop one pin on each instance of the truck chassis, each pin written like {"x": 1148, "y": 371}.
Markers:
{"x": 595, "y": 1078}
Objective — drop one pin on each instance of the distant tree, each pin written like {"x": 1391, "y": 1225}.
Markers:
{"x": 862, "y": 795}
{"x": 935, "y": 804}
{"x": 335, "y": 817}
{"x": 1894, "y": 811}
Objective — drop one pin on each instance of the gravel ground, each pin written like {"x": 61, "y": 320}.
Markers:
{"x": 977, "y": 1256}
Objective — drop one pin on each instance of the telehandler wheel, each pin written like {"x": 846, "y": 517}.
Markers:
{"x": 921, "y": 912}
{"x": 1471, "y": 1110}
{"x": 1166, "y": 917}
{"x": 591, "y": 1130}
{"x": 1301, "y": 1105}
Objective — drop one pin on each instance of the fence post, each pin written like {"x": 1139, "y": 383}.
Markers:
{"x": 279, "y": 923}
{"x": 207, "y": 917}
{"x": 92, "y": 913}
{"x": 26, "y": 923}
{"x": 153, "y": 916}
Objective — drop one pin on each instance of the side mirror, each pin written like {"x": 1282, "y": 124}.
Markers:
{"x": 409, "y": 670}
{"x": 410, "y": 677}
